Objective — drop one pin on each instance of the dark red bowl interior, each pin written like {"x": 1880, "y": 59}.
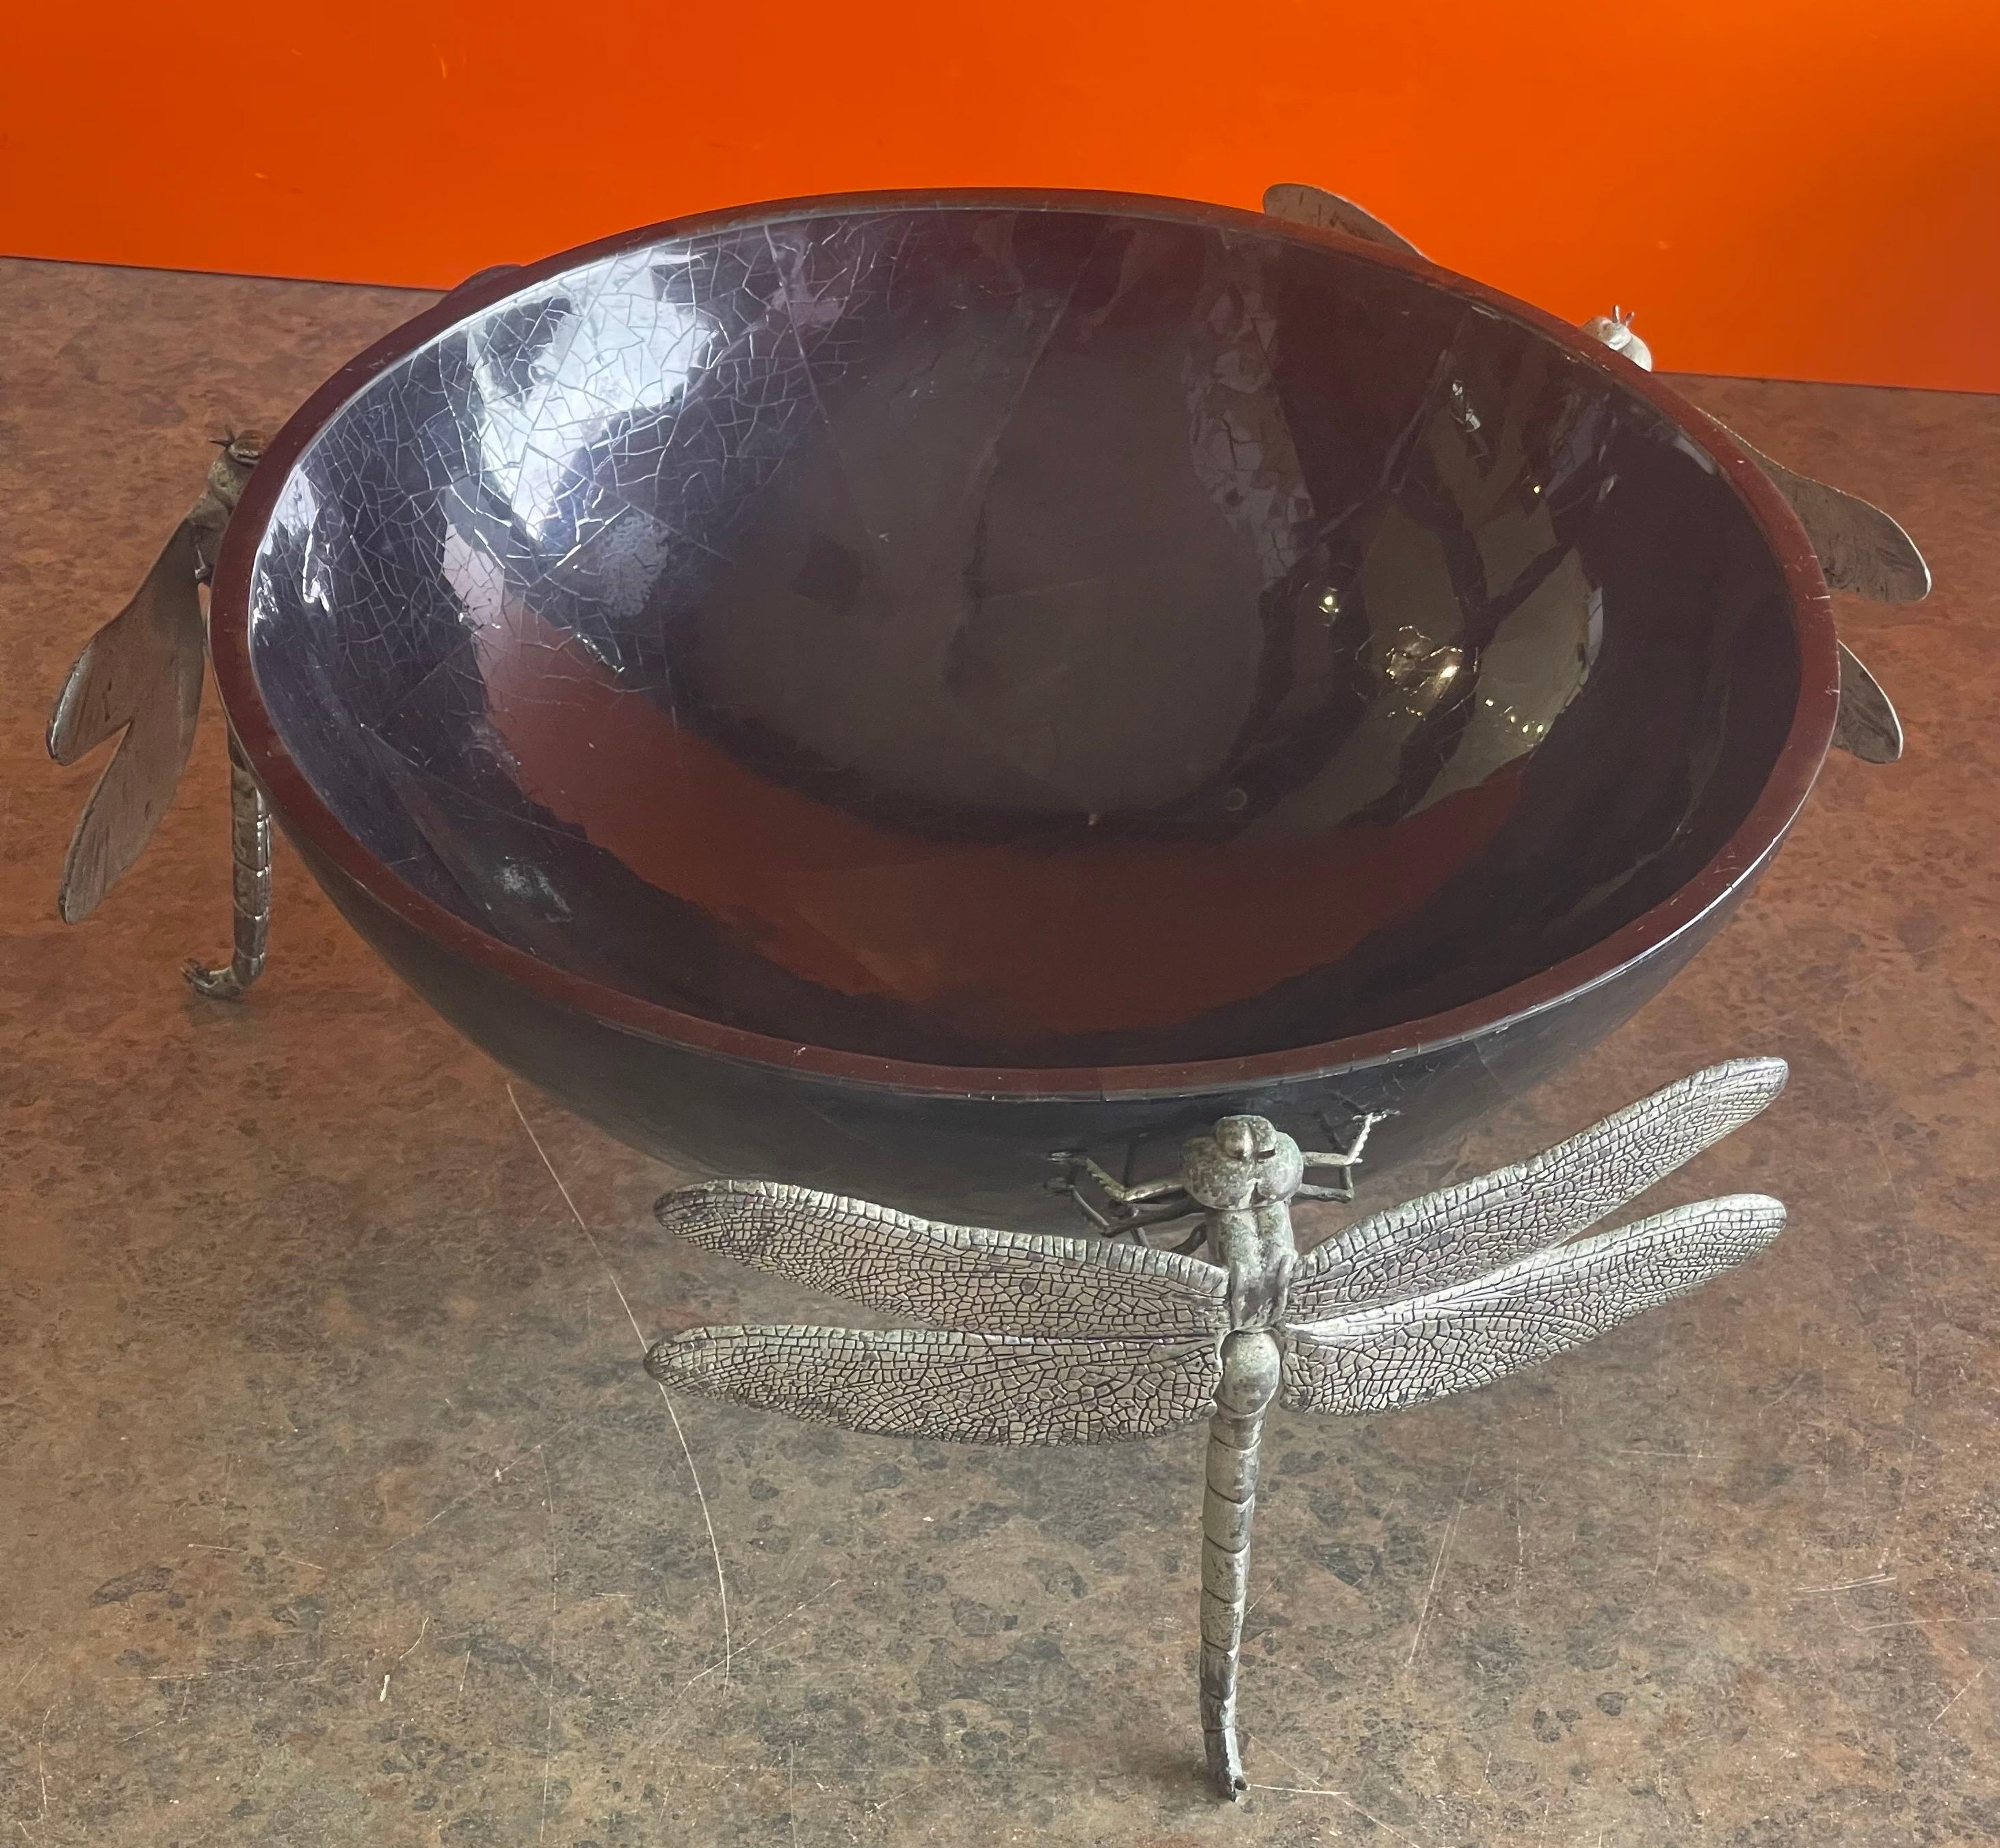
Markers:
{"x": 996, "y": 635}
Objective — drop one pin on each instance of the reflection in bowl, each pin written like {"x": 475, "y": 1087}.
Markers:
{"x": 872, "y": 691}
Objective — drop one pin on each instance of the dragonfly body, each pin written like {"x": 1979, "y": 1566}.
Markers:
{"x": 1245, "y": 1176}
{"x": 140, "y": 679}
{"x": 1051, "y": 1340}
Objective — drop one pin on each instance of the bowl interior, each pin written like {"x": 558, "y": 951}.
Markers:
{"x": 1022, "y": 637}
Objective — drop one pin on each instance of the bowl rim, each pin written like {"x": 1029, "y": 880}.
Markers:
{"x": 313, "y": 824}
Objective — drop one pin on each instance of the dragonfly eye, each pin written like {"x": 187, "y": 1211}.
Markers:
{"x": 1232, "y": 1137}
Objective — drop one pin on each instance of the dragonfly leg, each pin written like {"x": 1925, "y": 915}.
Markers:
{"x": 1132, "y": 1207}
{"x": 250, "y": 853}
{"x": 1137, "y": 1223}
{"x": 1346, "y": 1159}
{"x": 1123, "y": 1193}
{"x": 1250, "y": 1366}
{"x": 1189, "y": 1245}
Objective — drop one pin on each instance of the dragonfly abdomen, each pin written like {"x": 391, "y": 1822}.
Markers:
{"x": 1250, "y": 1372}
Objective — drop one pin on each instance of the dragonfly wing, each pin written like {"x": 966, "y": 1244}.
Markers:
{"x": 964, "y": 1388}
{"x": 1402, "y": 1353}
{"x": 1463, "y": 1233}
{"x": 1867, "y": 727}
{"x": 1861, "y": 550}
{"x": 1329, "y": 211}
{"x": 953, "y": 1276}
{"x": 140, "y": 674}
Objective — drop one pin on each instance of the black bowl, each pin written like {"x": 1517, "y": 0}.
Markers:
{"x": 868, "y": 691}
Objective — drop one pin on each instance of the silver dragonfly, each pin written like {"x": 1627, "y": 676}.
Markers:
{"x": 1862, "y": 550}
{"x": 139, "y": 678}
{"x": 1037, "y": 1339}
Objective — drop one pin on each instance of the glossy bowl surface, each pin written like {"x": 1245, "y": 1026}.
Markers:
{"x": 868, "y": 691}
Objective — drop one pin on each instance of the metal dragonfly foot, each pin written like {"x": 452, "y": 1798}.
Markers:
{"x": 139, "y": 678}
{"x": 1052, "y": 1340}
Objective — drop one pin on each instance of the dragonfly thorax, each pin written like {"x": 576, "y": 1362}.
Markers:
{"x": 1243, "y": 1173}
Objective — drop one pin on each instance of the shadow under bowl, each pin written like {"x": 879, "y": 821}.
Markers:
{"x": 869, "y": 691}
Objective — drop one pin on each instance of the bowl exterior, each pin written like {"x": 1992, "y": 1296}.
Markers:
{"x": 973, "y": 1158}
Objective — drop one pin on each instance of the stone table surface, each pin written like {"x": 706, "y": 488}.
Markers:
{"x": 335, "y": 1507}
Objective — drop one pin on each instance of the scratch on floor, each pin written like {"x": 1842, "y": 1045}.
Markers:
{"x": 202, "y": 1674}
{"x": 1520, "y": 1543}
{"x": 752, "y": 1641}
{"x": 456, "y": 1502}
{"x": 21, "y": 1680}
{"x": 401, "y": 1659}
{"x": 549, "y": 1729}
{"x": 1437, "y": 1567}
{"x": 694, "y": 1475}
{"x": 1959, "y": 1695}
{"x": 196, "y": 1546}
{"x": 1921, "y": 1623}
{"x": 1339, "y": 1796}
{"x": 675, "y": 1712}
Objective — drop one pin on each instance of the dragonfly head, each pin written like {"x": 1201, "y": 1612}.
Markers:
{"x": 241, "y": 451}
{"x": 1246, "y": 1138}
{"x": 1242, "y": 1162}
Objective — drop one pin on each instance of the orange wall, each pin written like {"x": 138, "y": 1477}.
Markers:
{"x": 1801, "y": 188}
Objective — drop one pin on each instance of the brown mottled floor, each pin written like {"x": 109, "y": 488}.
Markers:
{"x": 334, "y": 1507}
